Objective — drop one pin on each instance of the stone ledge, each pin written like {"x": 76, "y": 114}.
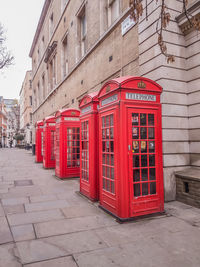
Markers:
{"x": 191, "y": 173}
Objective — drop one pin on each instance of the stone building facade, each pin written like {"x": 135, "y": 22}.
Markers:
{"x": 26, "y": 122}
{"x": 3, "y": 123}
{"x": 13, "y": 110}
{"x": 80, "y": 44}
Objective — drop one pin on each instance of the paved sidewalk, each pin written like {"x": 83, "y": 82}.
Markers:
{"x": 44, "y": 223}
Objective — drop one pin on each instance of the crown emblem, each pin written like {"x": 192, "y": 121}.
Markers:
{"x": 141, "y": 84}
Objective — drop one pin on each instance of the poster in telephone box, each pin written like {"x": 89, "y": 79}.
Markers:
{"x": 48, "y": 142}
{"x": 39, "y": 141}
{"x": 89, "y": 174}
{"x": 130, "y": 149}
{"x": 67, "y": 143}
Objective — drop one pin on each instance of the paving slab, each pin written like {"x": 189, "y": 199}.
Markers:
{"x": 78, "y": 211}
{"x": 42, "y": 198}
{"x": 191, "y": 215}
{"x": 141, "y": 253}
{"x": 5, "y": 234}
{"x": 12, "y": 209}
{"x": 7, "y": 257}
{"x": 23, "y": 232}
{"x": 22, "y": 191}
{"x": 60, "y": 262}
{"x": 73, "y": 225}
{"x": 63, "y": 245}
{"x": 34, "y": 217}
{"x": 14, "y": 201}
{"x": 49, "y": 205}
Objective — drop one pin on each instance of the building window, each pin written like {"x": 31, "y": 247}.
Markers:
{"x": 43, "y": 86}
{"x": 35, "y": 99}
{"x": 38, "y": 52}
{"x": 38, "y": 95}
{"x": 65, "y": 66}
{"x": 31, "y": 102}
{"x": 43, "y": 47}
{"x": 52, "y": 72}
{"x": 82, "y": 31}
{"x": 51, "y": 26}
{"x": 113, "y": 11}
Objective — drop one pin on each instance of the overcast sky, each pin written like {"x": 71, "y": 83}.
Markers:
{"x": 20, "y": 19}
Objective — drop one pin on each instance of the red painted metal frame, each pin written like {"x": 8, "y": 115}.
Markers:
{"x": 48, "y": 142}
{"x": 67, "y": 143}
{"x": 119, "y": 101}
{"x": 89, "y": 178}
{"x": 38, "y": 141}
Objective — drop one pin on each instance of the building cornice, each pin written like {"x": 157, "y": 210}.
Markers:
{"x": 183, "y": 22}
{"x": 39, "y": 26}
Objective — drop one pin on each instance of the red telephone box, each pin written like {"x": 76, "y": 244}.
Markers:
{"x": 39, "y": 141}
{"x": 130, "y": 151}
{"x": 89, "y": 184}
{"x": 48, "y": 142}
{"x": 67, "y": 147}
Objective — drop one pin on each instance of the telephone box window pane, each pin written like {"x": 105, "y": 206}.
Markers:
{"x": 136, "y": 161}
{"x": 103, "y": 122}
{"x": 107, "y": 159}
{"x": 143, "y": 133}
{"x": 143, "y": 119}
{"x": 108, "y": 172}
{"x": 104, "y": 183}
{"x": 104, "y": 171}
{"x": 135, "y": 118}
{"x": 150, "y": 119}
{"x": 143, "y": 147}
{"x": 107, "y": 133}
{"x": 135, "y": 148}
{"x": 107, "y": 121}
{"x": 145, "y": 189}
{"x": 151, "y": 133}
{"x": 104, "y": 158}
{"x": 107, "y": 146}
{"x": 108, "y": 185}
{"x": 144, "y": 160}
{"x": 112, "y": 173}
{"x": 111, "y": 146}
{"x": 112, "y": 187}
{"x": 136, "y": 175}
{"x": 152, "y": 188}
{"x": 111, "y": 133}
{"x": 135, "y": 133}
{"x": 136, "y": 188}
{"x": 104, "y": 146}
{"x": 151, "y": 160}
{"x": 103, "y": 134}
{"x": 112, "y": 160}
{"x": 144, "y": 174}
{"x": 151, "y": 146}
{"x": 152, "y": 174}
{"x": 111, "y": 120}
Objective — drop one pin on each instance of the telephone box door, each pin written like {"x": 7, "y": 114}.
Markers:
{"x": 144, "y": 170}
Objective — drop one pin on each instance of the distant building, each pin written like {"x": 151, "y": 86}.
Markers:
{"x": 3, "y": 123}
{"x": 26, "y": 123}
{"x": 12, "y": 108}
{"x": 80, "y": 44}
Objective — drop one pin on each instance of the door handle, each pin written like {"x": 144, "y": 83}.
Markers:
{"x": 129, "y": 147}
